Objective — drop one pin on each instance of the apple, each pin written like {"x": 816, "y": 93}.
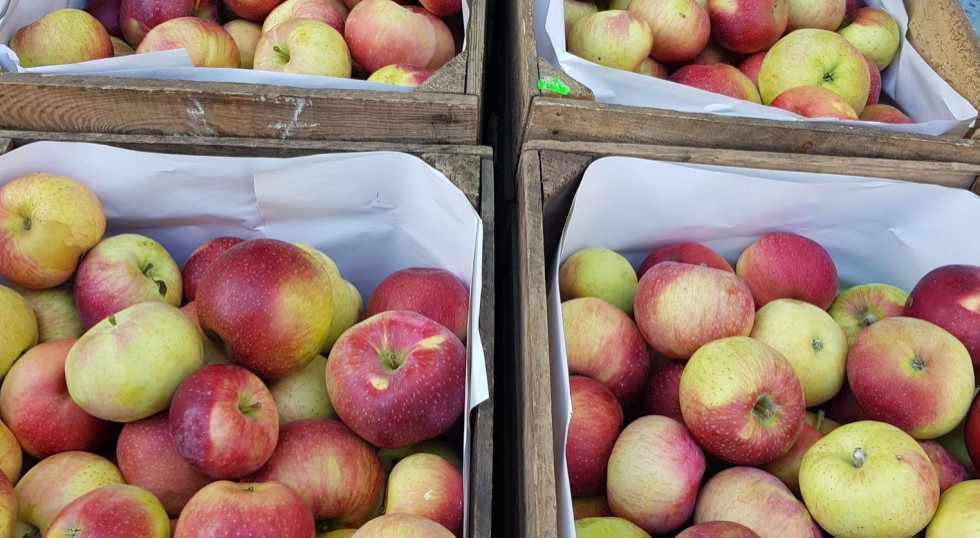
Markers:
{"x": 819, "y": 421}
{"x": 114, "y": 510}
{"x": 812, "y": 57}
{"x": 252, "y": 10}
{"x": 652, "y": 68}
{"x": 121, "y": 271}
{"x": 956, "y": 514}
{"x": 35, "y": 405}
{"x": 598, "y": 272}
{"x": 714, "y": 54}
{"x": 718, "y": 529}
{"x": 225, "y": 509}
{"x": 381, "y": 32}
{"x": 207, "y": 43}
{"x": 303, "y": 394}
{"x": 742, "y": 400}
{"x": 267, "y": 287}
{"x": 693, "y": 253}
{"x": 852, "y": 6}
{"x": 676, "y": 317}
{"x": 873, "y": 32}
{"x": 46, "y": 223}
{"x": 223, "y": 421}
{"x": 846, "y": 476}
{"x": 603, "y": 527}
{"x": 718, "y": 78}
{"x": 442, "y": 8}
{"x": 445, "y": 42}
{"x": 955, "y": 443}
{"x": 121, "y": 48}
{"x": 821, "y": 14}
{"x": 786, "y": 265}
{"x": 400, "y": 75}
{"x": 428, "y": 486}
{"x": 680, "y": 28}
{"x": 591, "y": 507}
{"x": 814, "y": 102}
{"x": 337, "y": 473}
{"x": 576, "y": 9}
{"x": 212, "y": 354}
{"x": 129, "y": 365}
{"x": 20, "y": 332}
{"x": 58, "y": 480}
{"x": 402, "y": 525}
{"x": 8, "y": 507}
{"x": 949, "y": 296}
{"x": 750, "y": 67}
{"x": 202, "y": 256}
{"x": 787, "y": 467}
{"x": 901, "y": 360}
{"x": 11, "y": 456}
{"x": 319, "y": 10}
{"x": 435, "y": 293}
{"x": 438, "y": 446}
{"x": 885, "y": 114}
{"x": 107, "y": 13}
{"x": 859, "y": 306}
{"x": 347, "y": 303}
{"x": 138, "y": 17}
{"x": 757, "y": 500}
{"x": 747, "y": 26}
{"x": 64, "y": 36}
{"x": 304, "y": 46}
{"x": 948, "y": 468}
{"x": 613, "y": 38}
{"x": 603, "y": 343}
{"x": 654, "y": 472}
{"x": 874, "y": 89}
{"x": 662, "y": 394}
{"x": 147, "y": 458}
{"x": 596, "y": 420}
{"x": 971, "y": 432}
{"x": 844, "y": 407}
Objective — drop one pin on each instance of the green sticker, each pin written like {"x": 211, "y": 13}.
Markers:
{"x": 552, "y": 84}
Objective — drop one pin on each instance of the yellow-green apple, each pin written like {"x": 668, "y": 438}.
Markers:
{"x": 11, "y": 455}
{"x": 787, "y": 467}
{"x": 715, "y": 54}
{"x": 121, "y": 271}
{"x": 138, "y": 17}
{"x": 949, "y": 296}
{"x": 844, "y": 407}
{"x": 956, "y": 514}
{"x": 820, "y": 422}
{"x": 885, "y": 114}
{"x": 435, "y": 293}
{"x": 757, "y": 500}
{"x": 206, "y": 42}
{"x": 742, "y": 400}
{"x": 814, "y": 102}
{"x": 662, "y": 393}
{"x": 812, "y": 342}
{"x": 400, "y": 75}
{"x": 253, "y": 10}
{"x": 107, "y": 13}
{"x": 576, "y": 9}
{"x": 438, "y": 446}
{"x": 320, "y": 10}
{"x": 303, "y": 394}
{"x": 613, "y": 38}
{"x": 114, "y": 510}
{"x": 225, "y": 509}
{"x": 654, "y": 472}
{"x": 859, "y": 306}
{"x": 786, "y": 265}
{"x": 337, "y": 473}
{"x": 846, "y": 476}
{"x": 266, "y": 287}
{"x": 821, "y": 14}
{"x": 211, "y": 352}
{"x": 19, "y": 327}
{"x": 592, "y": 431}
{"x": 129, "y": 365}
{"x": 35, "y": 405}
{"x": 747, "y": 26}
{"x": 717, "y": 78}
{"x": 751, "y": 65}
{"x": 147, "y": 458}
{"x": 442, "y": 8}
{"x": 428, "y": 486}
{"x": 381, "y": 32}
{"x": 874, "y": 89}
{"x": 223, "y": 421}
{"x": 718, "y": 529}
{"x": 445, "y": 43}
{"x": 121, "y": 48}
{"x": 591, "y": 506}
{"x": 598, "y": 272}
{"x": 874, "y": 32}
{"x": 680, "y": 307}
{"x": 397, "y": 378}
{"x": 64, "y": 36}
{"x": 402, "y": 526}
{"x": 55, "y": 312}
{"x": 8, "y": 507}
{"x": 949, "y": 469}
{"x": 604, "y": 527}
{"x": 680, "y": 28}
{"x": 57, "y": 480}
{"x": 652, "y": 68}
{"x": 912, "y": 374}
{"x": 47, "y": 222}
{"x": 603, "y": 343}
{"x": 812, "y": 57}
{"x": 693, "y": 253}
{"x": 303, "y": 46}
{"x": 347, "y": 303}
{"x": 337, "y": 533}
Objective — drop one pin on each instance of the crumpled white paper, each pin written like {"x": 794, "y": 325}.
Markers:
{"x": 910, "y": 82}
{"x": 174, "y": 65}
{"x": 372, "y": 213}
{"x": 876, "y": 231}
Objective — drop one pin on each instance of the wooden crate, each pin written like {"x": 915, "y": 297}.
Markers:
{"x": 444, "y": 110}
{"x": 547, "y": 179}
{"x": 470, "y": 168}
{"x": 938, "y": 29}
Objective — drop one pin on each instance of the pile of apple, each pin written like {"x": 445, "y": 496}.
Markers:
{"x": 223, "y": 413}
{"x": 816, "y": 58}
{"x": 712, "y": 372}
{"x": 378, "y": 39}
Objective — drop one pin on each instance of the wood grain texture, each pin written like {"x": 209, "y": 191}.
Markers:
{"x": 6, "y": 145}
{"x": 476, "y": 59}
{"x": 523, "y": 63}
{"x": 450, "y": 78}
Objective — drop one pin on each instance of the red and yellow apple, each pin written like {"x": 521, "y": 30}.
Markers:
{"x": 757, "y": 500}
{"x": 613, "y": 38}
{"x": 592, "y": 431}
{"x": 225, "y": 508}
{"x": 113, "y": 510}
{"x": 64, "y": 36}
{"x": 787, "y": 265}
{"x": 718, "y": 78}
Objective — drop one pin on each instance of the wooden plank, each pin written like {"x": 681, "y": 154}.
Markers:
{"x": 523, "y": 65}
{"x": 6, "y": 145}
{"x": 477, "y": 49}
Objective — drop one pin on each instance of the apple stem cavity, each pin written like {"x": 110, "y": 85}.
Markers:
{"x": 859, "y": 457}
{"x": 391, "y": 360}
{"x": 75, "y": 532}
{"x": 867, "y": 319}
{"x": 764, "y": 408}
{"x": 918, "y": 364}
{"x": 828, "y": 77}
{"x": 816, "y": 344}
{"x": 27, "y": 224}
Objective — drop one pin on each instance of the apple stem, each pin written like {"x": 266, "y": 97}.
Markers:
{"x": 819, "y": 422}
{"x": 816, "y": 344}
{"x": 859, "y": 457}
{"x": 280, "y": 51}
{"x": 250, "y": 408}
{"x": 918, "y": 364}
{"x": 28, "y": 224}
{"x": 112, "y": 320}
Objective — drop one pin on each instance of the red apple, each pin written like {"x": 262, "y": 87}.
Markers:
{"x": 949, "y": 296}
{"x": 747, "y": 26}
{"x": 787, "y": 467}
{"x": 874, "y": 93}
{"x": 662, "y": 394}
{"x": 107, "y": 13}
{"x": 757, "y": 500}
{"x": 680, "y": 28}
{"x": 787, "y": 265}
{"x": 381, "y": 32}
{"x": 445, "y": 43}
{"x": 714, "y": 54}
{"x": 718, "y": 529}
{"x": 844, "y": 407}
{"x": 592, "y": 432}
{"x": 814, "y": 102}
{"x": 435, "y": 293}
{"x": 885, "y": 114}
{"x": 718, "y": 78}
{"x": 402, "y": 526}
{"x": 137, "y": 17}
{"x": 252, "y": 10}
{"x": 207, "y": 43}
{"x": 852, "y": 6}
{"x": 950, "y": 470}
{"x": 971, "y": 432}
{"x": 225, "y": 509}
{"x": 751, "y": 66}
{"x": 324, "y": 11}
{"x": 442, "y": 8}
{"x": 198, "y": 262}
{"x": 223, "y": 421}
{"x": 114, "y": 510}
{"x": 693, "y": 253}
{"x": 212, "y": 353}
{"x": 428, "y": 486}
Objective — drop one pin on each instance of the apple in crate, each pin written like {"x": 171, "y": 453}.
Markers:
{"x": 717, "y": 78}
{"x": 8, "y": 507}
{"x": 971, "y": 432}
{"x": 252, "y": 10}
{"x": 347, "y": 303}
{"x": 65, "y": 36}
{"x": 693, "y": 253}
{"x": 443, "y": 8}
{"x": 55, "y": 312}
{"x": 381, "y": 32}
{"x": 814, "y": 102}
{"x": 592, "y": 432}
{"x": 202, "y": 256}
{"x": 121, "y": 48}
{"x": 19, "y": 327}
{"x": 445, "y": 48}
{"x": 957, "y": 513}
{"x": 433, "y": 292}
{"x": 718, "y": 529}
{"x": 303, "y": 394}
{"x": 714, "y": 54}
{"x": 950, "y": 470}
{"x": 319, "y": 10}
{"x": 868, "y": 479}
{"x": 820, "y": 14}
{"x": 949, "y": 296}
{"x": 206, "y": 43}
{"x": 246, "y": 35}
{"x": 874, "y": 91}
{"x": 652, "y": 68}
{"x": 438, "y": 446}
{"x": 107, "y": 13}
{"x": 787, "y": 467}
{"x": 138, "y": 17}
{"x": 397, "y": 378}
{"x": 303, "y": 46}
{"x": 46, "y": 223}
{"x": 576, "y": 9}
{"x": 400, "y": 75}
{"x": 114, "y": 510}
{"x": 224, "y": 509}
{"x": 35, "y": 405}
{"x": 11, "y": 455}
{"x": 598, "y": 272}
{"x": 613, "y": 38}
{"x": 428, "y": 486}
{"x": 662, "y": 394}
{"x": 212, "y": 354}
{"x": 402, "y": 526}
{"x": 680, "y": 28}
{"x": 757, "y": 500}
{"x": 747, "y": 26}
{"x": 859, "y": 306}
{"x": 874, "y": 32}
{"x": 787, "y": 265}
{"x": 885, "y": 114}
{"x": 751, "y": 65}
{"x": 604, "y": 527}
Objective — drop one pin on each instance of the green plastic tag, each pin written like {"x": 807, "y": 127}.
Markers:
{"x": 552, "y": 84}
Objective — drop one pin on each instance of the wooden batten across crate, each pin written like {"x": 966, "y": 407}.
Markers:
{"x": 444, "y": 110}
{"x": 548, "y": 177}
{"x": 470, "y": 168}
